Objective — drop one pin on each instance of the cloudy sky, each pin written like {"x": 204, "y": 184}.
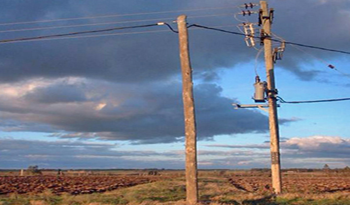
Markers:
{"x": 113, "y": 99}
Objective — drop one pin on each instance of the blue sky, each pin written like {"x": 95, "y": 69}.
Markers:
{"x": 115, "y": 101}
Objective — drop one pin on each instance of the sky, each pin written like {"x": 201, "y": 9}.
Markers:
{"x": 113, "y": 99}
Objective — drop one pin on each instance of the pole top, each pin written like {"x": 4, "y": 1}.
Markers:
{"x": 181, "y": 18}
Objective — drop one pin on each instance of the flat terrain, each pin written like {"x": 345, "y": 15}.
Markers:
{"x": 67, "y": 184}
{"x": 168, "y": 187}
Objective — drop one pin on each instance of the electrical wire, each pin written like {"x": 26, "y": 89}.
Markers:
{"x": 312, "y": 101}
{"x": 324, "y": 62}
{"x": 275, "y": 40}
{"x": 106, "y": 23}
{"x": 77, "y": 33}
{"x": 81, "y": 25}
{"x": 171, "y": 28}
{"x": 320, "y": 59}
{"x": 104, "y": 35}
{"x": 342, "y": 73}
{"x": 256, "y": 61}
{"x": 317, "y": 47}
{"x": 91, "y": 36}
{"x": 235, "y": 16}
{"x": 112, "y": 15}
{"x": 221, "y": 30}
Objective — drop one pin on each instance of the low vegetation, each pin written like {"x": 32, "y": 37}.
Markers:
{"x": 215, "y": 187}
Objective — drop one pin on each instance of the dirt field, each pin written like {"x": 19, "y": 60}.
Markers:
{"x": 307, "y": 183}
{"x": 168, "y": 187}
{"x": 67, "y": 184}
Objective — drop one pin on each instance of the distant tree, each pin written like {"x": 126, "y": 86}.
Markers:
{"x": 347, "y": 169}
{"x": 34, "y": 170}
{"x": 326, "y": 168}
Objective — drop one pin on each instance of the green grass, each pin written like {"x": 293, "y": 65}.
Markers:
{"x": 212, "y": 190}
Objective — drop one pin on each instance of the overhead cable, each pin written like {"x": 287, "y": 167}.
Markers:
{"x": 276, "y": 40}
{"x": 105, "y": 23}
{"x": 77, "y": 33}
{"x": 81, "y": 25}
{"x": 92, "y": 36}
{"x": 101, "y": 35}
{"x": 312, "y": 101}
{"x": 112, "y": 15}
{"x": 171, "y": 28}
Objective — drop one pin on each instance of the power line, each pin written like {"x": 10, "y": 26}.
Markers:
{"x": 276, "y": 40}
{"x": 217, "y": 29}
{"x": 316, "y": 47}
{"x": 105, "y": 23}
{"x": 103, "y": 35}
{"x": 171, "y": 28}
{"x": 92, "y": 36}
{"x": 112, "y": 15}
{"x": 312, "y": 101}
{"x": 256, "y": 60}
{"x": 78, "y": 33}
{"x": 80, "y": 25}
{"x": 324, "y": 62}
{"x": 342, "y": 73}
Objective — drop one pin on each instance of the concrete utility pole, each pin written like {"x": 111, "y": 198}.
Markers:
{"x": 189, "y": 111}
{"x": 273, "y": 119}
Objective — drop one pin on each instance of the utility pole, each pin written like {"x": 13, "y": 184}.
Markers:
{"x": 272, "y": 92}
{"x": 189, "y": 112}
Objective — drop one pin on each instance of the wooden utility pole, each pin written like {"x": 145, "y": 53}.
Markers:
{"x": 189, "y": 111}
{"x": 272, "y": 92}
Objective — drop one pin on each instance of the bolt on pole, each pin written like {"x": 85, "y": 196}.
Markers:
{"x": 189, "y": 112}
{"x": 272, "y": 92}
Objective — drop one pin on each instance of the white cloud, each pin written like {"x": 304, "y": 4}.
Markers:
{"x": 308, "y": 152}
{"x": 315, "y": 142}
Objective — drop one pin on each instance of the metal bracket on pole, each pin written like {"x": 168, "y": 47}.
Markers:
{"x": 261, "y": 107}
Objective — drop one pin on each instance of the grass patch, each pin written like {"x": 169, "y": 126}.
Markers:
{"x": 163, "y": 191}
{"x": 214, "y": 190}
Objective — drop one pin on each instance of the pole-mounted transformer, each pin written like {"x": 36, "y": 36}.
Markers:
{"x": 260, "y": 90}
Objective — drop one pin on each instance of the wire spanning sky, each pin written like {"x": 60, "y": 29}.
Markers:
{"x": 113, "y": 99}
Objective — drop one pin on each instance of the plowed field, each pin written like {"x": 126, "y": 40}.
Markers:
{"x": 293, "y": 184}
{"x": 67, "y": 184}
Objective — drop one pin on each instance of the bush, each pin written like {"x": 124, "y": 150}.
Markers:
{"x": 34, "y": 170}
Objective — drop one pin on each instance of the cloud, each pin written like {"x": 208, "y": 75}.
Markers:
{"x": 145, "y": 113}
{"x": 318, "y": 146}
{"x": 252, "y": 146}
{"x": 313, "y": 145}
{"x": 310, "y": 152}
{"x": 313, "y": 151}
{"x": 76, "y": 154}
{"x": 70, "y": 154}
{"x": 154, "y": 56}
{"x": 58, "y": 93}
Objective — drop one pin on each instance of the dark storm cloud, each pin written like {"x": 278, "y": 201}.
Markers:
{"x": 125, "y": 97}
{"x": 144, "y": 113}
{"x": 151, "y": 57}
{"x": 56, "y": 94}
